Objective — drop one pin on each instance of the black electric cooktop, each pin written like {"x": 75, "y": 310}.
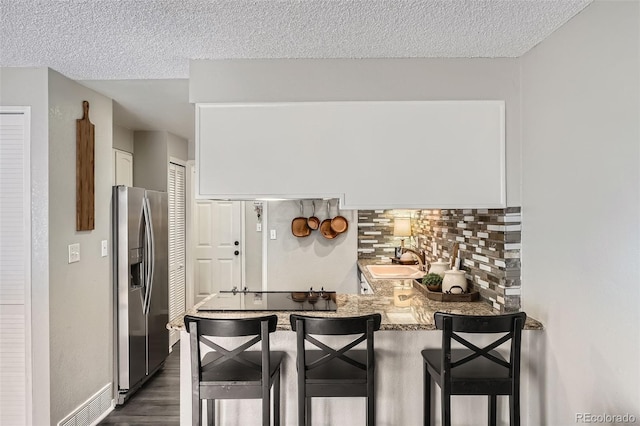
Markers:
{"x": 310, "y": 300}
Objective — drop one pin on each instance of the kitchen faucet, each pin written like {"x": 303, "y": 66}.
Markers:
{"x": 420, "y": 255}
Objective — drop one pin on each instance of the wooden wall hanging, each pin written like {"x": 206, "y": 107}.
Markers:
{"x": 85, "y": 184}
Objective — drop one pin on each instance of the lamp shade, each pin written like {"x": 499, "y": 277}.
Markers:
{"x": 402, "y": 227}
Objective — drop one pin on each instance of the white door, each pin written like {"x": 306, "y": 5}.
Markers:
{"x": 177, "y": 244}
{"x": 217, "y": 249}
{"x": 122, "y": 168}
{"x": 15, "y": 266}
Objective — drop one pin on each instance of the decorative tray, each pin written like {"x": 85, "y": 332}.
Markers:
{"x": 446, "y": 297}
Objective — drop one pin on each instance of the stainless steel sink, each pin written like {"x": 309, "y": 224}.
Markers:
{"x": 395, "y": 271}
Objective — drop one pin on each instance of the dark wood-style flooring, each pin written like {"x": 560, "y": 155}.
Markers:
{"x": 157, "y": 402}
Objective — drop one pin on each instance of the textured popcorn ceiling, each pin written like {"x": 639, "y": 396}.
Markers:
{"x": 154, "y": 39}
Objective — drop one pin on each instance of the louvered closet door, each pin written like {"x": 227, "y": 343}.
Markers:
{"x": 177, "y": 254}
{"x": 15, "y": 280}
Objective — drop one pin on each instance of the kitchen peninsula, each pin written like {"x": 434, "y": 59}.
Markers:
{"x": 405, "y": 330}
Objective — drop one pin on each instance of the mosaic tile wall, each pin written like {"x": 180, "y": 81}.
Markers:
{"x": 489, "y": 244}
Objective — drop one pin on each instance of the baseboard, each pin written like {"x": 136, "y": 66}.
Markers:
{"x": 93, "y": 410}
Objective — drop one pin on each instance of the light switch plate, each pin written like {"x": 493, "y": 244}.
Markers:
{"x": 105, "y": 248}
{"x": 74, "y": 253}
{"x": 273, "y": 234}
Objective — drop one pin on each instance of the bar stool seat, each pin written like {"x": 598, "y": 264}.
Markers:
{"x": 336, "y": 370}
{"x": 231, "y": 370}
{"x": 480, "y": 369}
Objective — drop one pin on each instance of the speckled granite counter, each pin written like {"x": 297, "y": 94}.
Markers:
{"x": 417, "y": 316}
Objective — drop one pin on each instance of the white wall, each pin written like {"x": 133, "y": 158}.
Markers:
{"x": 299, "y": 263}
{"x": 81, "y": 310}
{"x": 271, "y": 80}
{"x": 191, "y": 149}
{"x": 150, "y": 160}
{"x": 152, "y": 151}
{"x": 581, "y": 211}
{"x": 122, "y": 138}
{"x": 252, "y": 248}
{"x": 177, "y": 147}
{"x": 28, "y": 87}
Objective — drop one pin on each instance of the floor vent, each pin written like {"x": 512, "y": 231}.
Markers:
{"x": 92, "y": 410}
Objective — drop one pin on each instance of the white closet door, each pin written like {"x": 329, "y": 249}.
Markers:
{"x": 15, "y": 266}
{"x": 177, "y": 234}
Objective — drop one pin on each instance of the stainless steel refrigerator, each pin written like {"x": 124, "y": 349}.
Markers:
{"x": 140, "y": 231}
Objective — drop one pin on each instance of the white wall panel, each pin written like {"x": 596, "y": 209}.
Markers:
{"x": 324, "y": 149}
{"x": 581, "y": 214}
{"x": 81, "y": 360}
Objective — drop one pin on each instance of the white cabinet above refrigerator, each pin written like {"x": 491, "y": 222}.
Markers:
{"x": 369, "y": 154}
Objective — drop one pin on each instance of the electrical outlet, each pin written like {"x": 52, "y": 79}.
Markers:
{"x": 272, "y": 235}
{"x": 105, "y": 248}
{"x": 74, "y": 253}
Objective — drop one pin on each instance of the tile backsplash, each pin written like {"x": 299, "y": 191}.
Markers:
{"x": 489, "y": 243}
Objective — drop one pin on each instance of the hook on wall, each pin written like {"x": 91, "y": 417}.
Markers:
{"x": 257, "y": 207}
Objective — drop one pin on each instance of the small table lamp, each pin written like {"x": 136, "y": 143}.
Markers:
{"x": 402, "y": 228}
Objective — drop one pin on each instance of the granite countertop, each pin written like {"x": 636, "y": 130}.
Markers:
{"x": 418, "y": 315}
{"x": 425, "y": 308}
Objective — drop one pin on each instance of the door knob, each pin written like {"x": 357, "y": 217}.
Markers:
{"x": 236, "y": 252}
{"x": 236, "y": 243}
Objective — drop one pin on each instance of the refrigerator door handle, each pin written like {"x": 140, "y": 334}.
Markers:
{"x": 152, "y": 258}
{"x": 147, "y": 256}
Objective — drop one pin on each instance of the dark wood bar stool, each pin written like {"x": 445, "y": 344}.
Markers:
{"x": 329, "y": 372}
{"x": 475, "y": 370}
{"x": 237, "y": 373}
